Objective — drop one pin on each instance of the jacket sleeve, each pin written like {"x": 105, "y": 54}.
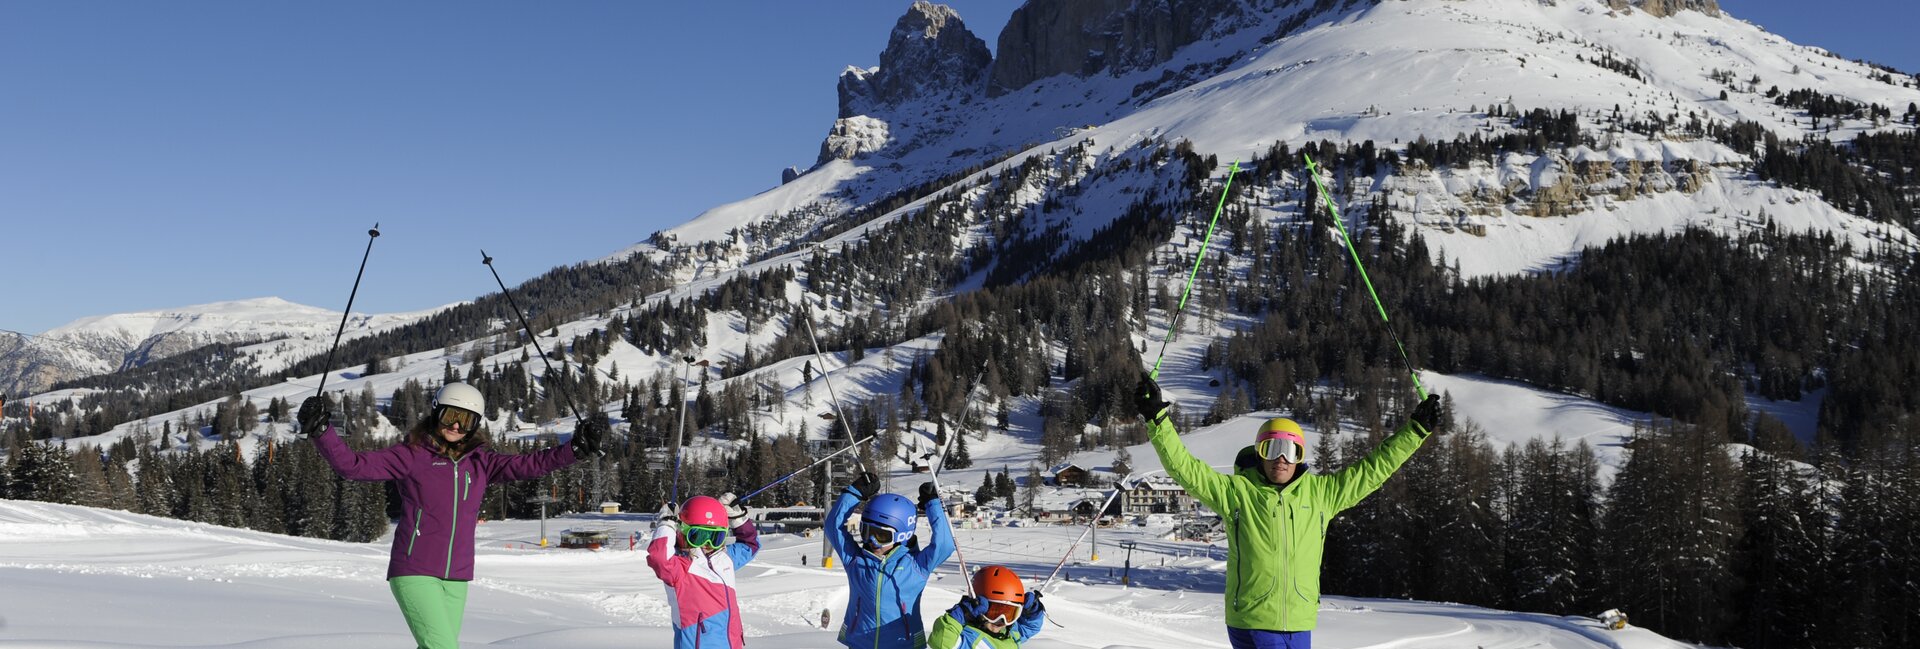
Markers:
{"x": 1209, "y": 486}
{"x": 745, "y": 545}
{"x": 932, "y": 556}
{"x": 529, "y": 465}
{"x": 1030, "y": 625}
{"x": 947, "y": 633}
{"x": 1348, "y": 486}
{"x": 368, "y": 466}
{"x": 666, "y": 565}
{"x": 842, "y": 542}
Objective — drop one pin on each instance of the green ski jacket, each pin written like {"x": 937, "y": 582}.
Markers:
{"x": 1275, "y": 534}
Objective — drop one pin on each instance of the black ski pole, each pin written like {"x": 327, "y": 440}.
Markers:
{"x": 324, "y": 371}
{"x": 485, "y": 259}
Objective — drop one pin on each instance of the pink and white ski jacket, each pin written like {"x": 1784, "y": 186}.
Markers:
{"x": 700, "y": 586}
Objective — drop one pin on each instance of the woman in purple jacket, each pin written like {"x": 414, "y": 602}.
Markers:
{"x": 443, "y": 469}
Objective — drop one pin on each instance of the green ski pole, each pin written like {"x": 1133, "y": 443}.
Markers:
{"x": 1313, "y": 170}
{"x": 1174, "y": 326}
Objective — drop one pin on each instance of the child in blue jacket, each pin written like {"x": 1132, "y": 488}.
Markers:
{"x": 886, "y": 568}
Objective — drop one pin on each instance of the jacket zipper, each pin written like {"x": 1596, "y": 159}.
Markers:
{"x": 417, "y": 513}
{"x": 877, "y": 577}
{"x": 1235, "y": 534}
{"x": 453, "y": 531}
{"x": 1286, "y": 551}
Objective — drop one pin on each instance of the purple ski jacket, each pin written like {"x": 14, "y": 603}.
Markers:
{"x": 440, "y": 498}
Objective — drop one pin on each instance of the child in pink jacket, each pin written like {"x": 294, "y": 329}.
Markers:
{"x": 699, "y": 568}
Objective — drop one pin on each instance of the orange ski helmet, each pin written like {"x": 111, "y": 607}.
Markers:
{"x": 997, "y": 583}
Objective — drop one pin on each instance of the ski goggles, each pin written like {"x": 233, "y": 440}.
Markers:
{"x": 461, "y": 418}
{"x": 1275, "y": 448}
{"x": 702, "y": 536}
{"x": 878, "y": 535}
{"x": 1001, "y": 612}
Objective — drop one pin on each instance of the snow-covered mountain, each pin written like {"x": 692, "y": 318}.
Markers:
{"x": 109, "y": 343}
{"x": 1233, "y": 78}
{"x": 1386, "y": 72}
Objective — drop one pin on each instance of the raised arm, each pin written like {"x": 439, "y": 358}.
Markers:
{"x": 1354, "y": 483}
{"x": 666, "y": 565}
{"x": 943, "y": 546}
{"x": 529, "y": 465}
{"x": 367, "y": 466}
{"x": 1207, "y": 485}
{"x": 835, "y": 525}
{"x": 745, "y": 545}
{"x": 1032, "y": 619}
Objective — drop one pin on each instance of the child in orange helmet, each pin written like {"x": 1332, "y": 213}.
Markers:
{"x": 1000, "y": 614}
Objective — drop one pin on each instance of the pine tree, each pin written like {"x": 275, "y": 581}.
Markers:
{"x": 959, "y": 458}
{"x": 1031, "y": 490}
{"x": 1876, "y": 548}
{"x": 985, "y": 493}
{"x": 90, "y": 478}
{"x": 1671, "y": 527}
{"x": 1783, "y": 554}
{"x": 1551, "y": 500}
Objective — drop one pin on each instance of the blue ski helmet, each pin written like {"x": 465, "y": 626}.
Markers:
{"x": 891, "y": 510}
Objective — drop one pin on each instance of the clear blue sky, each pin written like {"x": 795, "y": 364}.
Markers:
{"x": 160, "y": 154}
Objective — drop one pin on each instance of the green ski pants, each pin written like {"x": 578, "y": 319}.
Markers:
{"x": 433, "y": 608}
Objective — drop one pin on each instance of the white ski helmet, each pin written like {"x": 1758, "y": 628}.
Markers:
{"x": 461, "y": 395}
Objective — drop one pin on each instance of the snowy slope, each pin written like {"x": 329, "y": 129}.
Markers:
{"x": 178, "y": 584}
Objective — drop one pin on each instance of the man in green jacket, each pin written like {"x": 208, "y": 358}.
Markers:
{"x": 1276, "y": 513}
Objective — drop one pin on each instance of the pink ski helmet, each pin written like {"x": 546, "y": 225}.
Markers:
{"x": 704, "y": 510}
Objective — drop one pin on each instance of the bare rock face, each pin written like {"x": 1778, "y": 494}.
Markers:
{"x": 1083, "y": 37}
{"x": 1664, "y": 8}
{"x": 853, "y": 136}
{"x": 930, "y": 52}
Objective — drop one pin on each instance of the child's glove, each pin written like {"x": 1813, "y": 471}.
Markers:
{"x": 927, "y": 494}
{"x": 736, "y": 514}
{"x": 1033, "y": 606}
{"x": 865, "y": 485}
{"x": 968, "y": 608}
{"x": 666, "y": 518}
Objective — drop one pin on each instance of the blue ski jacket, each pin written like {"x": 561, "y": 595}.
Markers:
{"x": 883, "y": 602}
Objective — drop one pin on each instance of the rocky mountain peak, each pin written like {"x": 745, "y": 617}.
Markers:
{"x": 1082, "y": 37}
{"x": 1664, "y": 8}
{"x": 930, "y": 51}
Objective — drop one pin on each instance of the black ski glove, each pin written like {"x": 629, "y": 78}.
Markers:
{"x": 927, "y": 494}
{"x": 314, "y": 414}
{"x": 1147, "y": 400}
{"x": 866, "y": 485}
{"x": 1427, "y": 415}
{"x": 590, "y": 437}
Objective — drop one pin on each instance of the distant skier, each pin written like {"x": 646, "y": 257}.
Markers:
{"x": 699, "y": 569}
{"x": 887, "y": 569}
{"x": 1276, "y": 513}
{"x": 443, "y": 467}
{"x": 1000, "y": 614}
